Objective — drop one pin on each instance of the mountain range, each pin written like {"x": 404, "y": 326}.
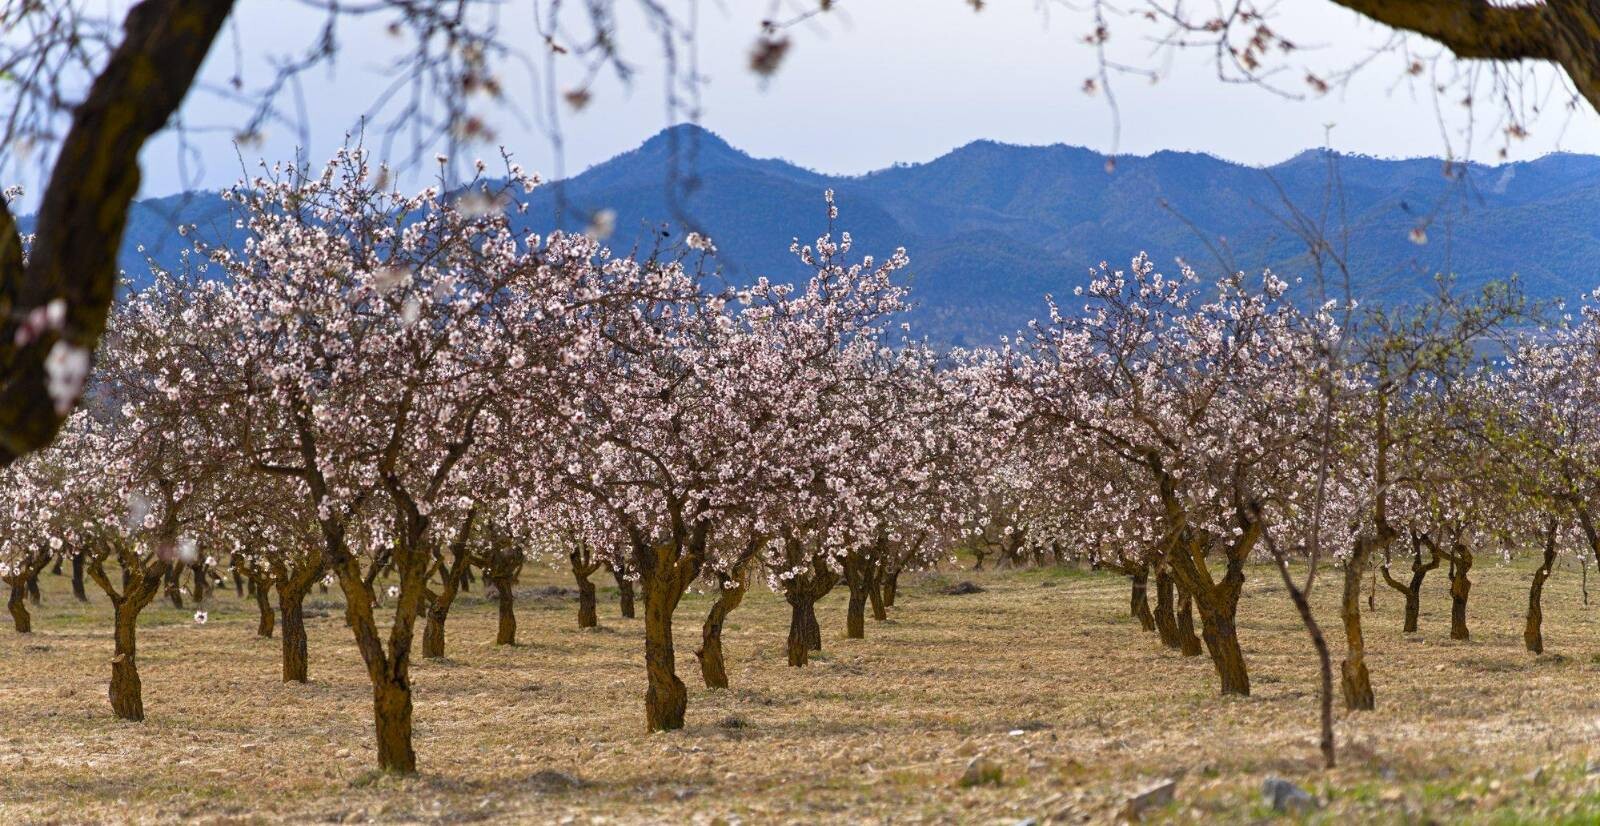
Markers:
{"x": 991, "y": 228}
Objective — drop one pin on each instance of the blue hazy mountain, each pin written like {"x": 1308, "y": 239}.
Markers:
{"x": 990, "y": 228}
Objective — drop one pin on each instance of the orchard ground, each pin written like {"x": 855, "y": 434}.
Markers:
{"x": 1043, "y": 673}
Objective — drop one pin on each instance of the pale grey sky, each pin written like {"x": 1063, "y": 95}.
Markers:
{"x": 879, "y": 82}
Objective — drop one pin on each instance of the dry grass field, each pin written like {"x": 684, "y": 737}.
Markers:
{"x": 1042, "y": 673}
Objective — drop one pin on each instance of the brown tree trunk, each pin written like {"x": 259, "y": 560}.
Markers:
{"x": 34, "y": 596}
{"x": 391, "y": 702}
{"x": 264, "y": 608}
{"x": 1139, "y": 601}
{"x": 202, "y": 582}
{"x": 1188, "y": 642}
{"x": 855, "y": 624}
{"x": 1221, "y": 636}
{"x": 1460, "y": 587}
{"x": 174, "y": 585}
{"x": 507, "y": 632}
{"x": 875, "y": 597}
{"x": 1166, "y": 618}
{"x": 16, "y": 603}
{"x": 127, "y": 698}
{"x": 799, "y": 643}
{"x": 389, "y": 671}
{"x": 666, "y": 697}
{"x": 291, "y": 603}
{"x": 588, "y": 617}
{"x": 78, "y": 590}
{"x": 813, "y": 629}
{"x": 624, "y": 595}
{"x": 712, "y": 667}
{"x": 1533, "y": 634}
{"x": 1355, "y": 682}
{"x": 858, "y": 574}
{"x": 891, "y": 585}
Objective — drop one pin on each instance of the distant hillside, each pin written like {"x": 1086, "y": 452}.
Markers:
{"x": 991, "y": 227}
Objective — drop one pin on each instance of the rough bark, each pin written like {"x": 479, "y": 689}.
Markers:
{"x": 1563, "y": 33}
{"x": 1533, "y": 632}
{"x": 1166, "y": 618}
{"x": 624, "y": 594}
{"x": 880, "y": 612}
{"x": 291, "y": 603}
{"x": 1355, "y": 682}
{"x": 79, "y": 226}
{"x": 1411, "y": 590}
{"x": 78, "y": 591}
{"x": 666, "y": 697}
{"x": 505, "y": 596}
{"x": 264, "y": 624}
{"x": 1188, "y": 641}
{"x": 1138, "y": 597}
{"x": 860, "y": 571}
{"x": 798, "y": 646}
{"x": 583, "y": 565}
{"x": 17, "y": 604}
{"x": 143, "y": 582}
{"x": 730, "y": 592}
{"x": 1221, "y": 636}
{"x": 452, "y": 575}
{"x": 891, "y": 586}
{"x": 1460, "y": 587}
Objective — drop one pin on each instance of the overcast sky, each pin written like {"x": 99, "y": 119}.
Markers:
{"x": 875, "y": 83}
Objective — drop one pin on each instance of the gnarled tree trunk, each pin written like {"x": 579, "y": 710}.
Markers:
{"x": 859, "y": 573}
{"x": 505, "y": 597}
{"x": 291, "y": 603}
{"x": 1533, "y": 633}
{"x": 730, "y": 593}
{"x": 264, "y": 624}
{"x": 1460, "y": 587}
{"x": 1166, "y": 618}
{"x": 583, "y": 564}
{"x": 451, "y": 575}
{"x": 624, "y": 594}
{"x": 17, "y": 604}
{"x": 1355, "y": 682}
{"x": 1411, "y": 590}
{"x": 1138, "y": 598}
{"x": 666, "y": 697}
{"x": 1188, "y": 641}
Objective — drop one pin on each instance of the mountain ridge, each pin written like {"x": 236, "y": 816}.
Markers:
{"x": 991, "y": 227}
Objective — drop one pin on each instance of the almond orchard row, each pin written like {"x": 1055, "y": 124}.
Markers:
{"x": 382, "y": 392}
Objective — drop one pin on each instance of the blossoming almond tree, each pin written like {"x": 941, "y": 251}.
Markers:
{"x": 1204, "y": 397}
{"x": 370, "y": 335}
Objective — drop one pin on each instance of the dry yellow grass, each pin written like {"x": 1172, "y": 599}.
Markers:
{"x": 1043, "y": 673}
